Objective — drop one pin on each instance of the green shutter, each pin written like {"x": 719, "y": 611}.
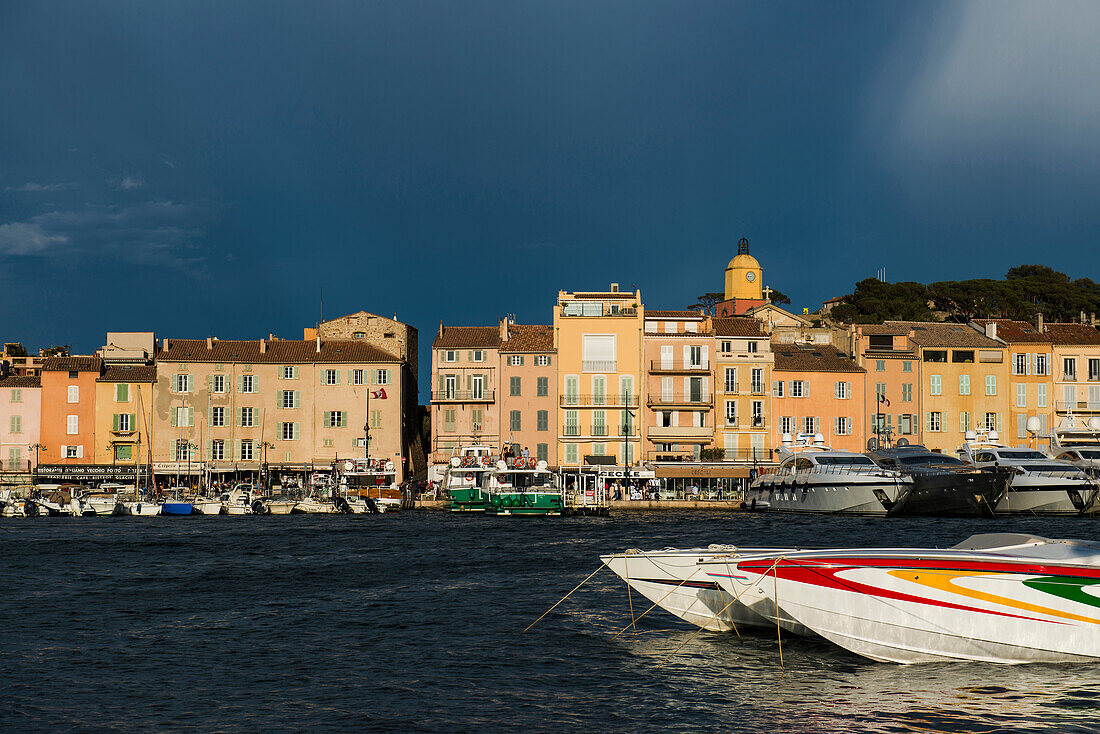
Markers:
{"x": 389, "y": 377}
{"x": 327, "y": 418}
{"x": 343, "y": 420}
{"x": 351, "y": 377}
{"x": 298, "y": 398}
{"x": 175, "y": 416}
{"x": 240, "y": 383}
{"x": 297, "y": 430}
{"x": 133, "y": 422}
{"x": 114, "y": 419}
{"x": 190, "y": 416}
{"x": 373, "y": 377}
{"x": 240, "y": 417}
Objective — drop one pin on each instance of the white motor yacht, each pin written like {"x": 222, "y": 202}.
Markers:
{"x": 1078, "y": 441}
{"x": 1041, "y": 485}
{"x": 813, "y": 478}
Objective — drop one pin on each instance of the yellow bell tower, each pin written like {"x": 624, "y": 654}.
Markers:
{"x": 744, "y": 278}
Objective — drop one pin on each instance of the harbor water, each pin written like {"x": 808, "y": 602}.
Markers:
{"x": 414, "y": 622}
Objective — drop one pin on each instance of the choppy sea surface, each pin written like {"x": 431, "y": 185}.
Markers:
{"x": 414, "y": 622}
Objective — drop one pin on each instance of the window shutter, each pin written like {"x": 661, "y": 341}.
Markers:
{"x": 190, "y": 416}
{"x": 209, "y": 450}
{"x": 298, "y": 397}
{"x": 240, "y": 417}
{"x": 133, "y": 422}
{"x": 442, "y": 384}
{"x": 373, "y": 377}
{"x": 469, "y": 382}
{"x": 470, "y": 356}
{"x": 342, "y": 421}
{"x": 297, "y": 431}
{"x": 327, "y": 419}
{"x": 351, "y": 377}
{"x": 706, "y": 356}
{"x": 240, "y": 383}
{"x": 687, "y": 355}
{"x": 80, "y": 451}
{"x": 389, "y": 375}
{"x": 175, "y": 416}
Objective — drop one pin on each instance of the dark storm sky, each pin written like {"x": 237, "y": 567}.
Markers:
{"x": 206, "y": 168}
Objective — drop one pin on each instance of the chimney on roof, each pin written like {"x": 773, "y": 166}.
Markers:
{"x": 318, "y": 345}
{"x": 166, "y": 344}
{"x": 263, "y": 346}
{"x": 440, "y": 335}
{"x": 209, "y": 343}
{"x": 991, "y": 329}
{"x": 614, "y": 287}
{"x": 504, "y": 329}
{"x": 1039, "y": 321}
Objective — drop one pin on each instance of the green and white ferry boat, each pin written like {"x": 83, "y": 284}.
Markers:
{"x": 523, "y": 487}
{"x": 466, "y": 478}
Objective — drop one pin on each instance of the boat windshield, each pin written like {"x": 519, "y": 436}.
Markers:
{"x": 1021, "y": 454}
{"x": 523, "y": 480}
{"x": 926, "y": 459}
{"x": 1090, "y": 453}
{"x": 844, "y": 460}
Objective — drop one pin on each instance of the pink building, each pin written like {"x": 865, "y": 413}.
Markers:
{"x": 20, "y": 423}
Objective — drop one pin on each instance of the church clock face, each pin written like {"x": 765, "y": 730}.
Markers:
{"x": 750, "y": 276}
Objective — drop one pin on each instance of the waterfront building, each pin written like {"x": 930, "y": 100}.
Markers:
{"x": 817, "y": 389}
{"x": 528, "y": 390}
{"x": 465, "y": 379}
{"x": 598, "y": 337}
{"x": 1076, "y": 369}
{"x": 679, "y": 418}
{"x": 743, "y": 382}
{"x": 229, "y": 407}
{"x": 68, "y": 410}
{"x": 892, "y": 386}
{"x": 20, "y": 426}
{"x": 124, "y": 416}
{"x": 1030, "y": 385}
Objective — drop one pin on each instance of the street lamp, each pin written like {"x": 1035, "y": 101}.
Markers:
{"x": 35, "y": 447}
{"x": 627, "y": 431}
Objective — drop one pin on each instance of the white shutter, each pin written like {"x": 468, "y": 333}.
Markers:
{"x": 687, "y": 355}
{"x": 666, "y": 356}
{"x": 675, "y": 418}
{"x": 706, "y": 356}
{"x": 80, "y": 451}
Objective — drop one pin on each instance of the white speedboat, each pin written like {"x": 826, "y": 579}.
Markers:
{"x": 237, "y": 501}
{"x": 1002, "y": 598}
{"x": 99, "y": 504}
{"x": 140, "y": 507}
{"x": 274, "y": 506}
{"x": 674, "y": 580}
{"x": 313, "y": 506}
{"x": 55, "y": 500}
{"x": 813, "y": 478}
{"x": 202, "y": 505}
{"x": 1041, "y": 485}
{"x": 1078, "y": 442}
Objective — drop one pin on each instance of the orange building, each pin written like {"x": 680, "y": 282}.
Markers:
{"x": 816, "y": 388}
{"x": 528, "y": 390}
{"x": 68, "y": 410}
{"x": 892, "y": 387}
{"x": 1030, "y": 376}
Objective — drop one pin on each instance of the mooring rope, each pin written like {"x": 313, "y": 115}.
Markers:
{"x": 564, "y": 598}
{"x": 674, "y": 588}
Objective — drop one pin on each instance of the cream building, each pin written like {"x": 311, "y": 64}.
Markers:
{"x": 465, "y": 382}
{"x": 679, "y": 416}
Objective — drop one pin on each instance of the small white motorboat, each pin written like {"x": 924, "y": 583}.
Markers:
{"x": 237, "y": 501}
{"x": 313, "y": 506}
{"x": 140, "y": 508}
{"x": 275, "y": 506}
{"x": 206, "y": 506}
{"x": 99, "y": 504}
{"x": 10, "y": 505}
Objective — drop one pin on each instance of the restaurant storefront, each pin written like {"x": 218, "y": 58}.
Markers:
{"x": 90, "y": 475}
{"x": 701, "y": 481}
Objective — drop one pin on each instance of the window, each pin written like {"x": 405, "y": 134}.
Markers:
{"x": 907, "y": 392}
{"x": 880, "y": 365}
{"x": 777, "y": 388}
{"x": 809, "y": 425}
{"x": 695, "y": 356}
{"x": 514, "y": 420}
{"x": 880, "y": 391}
{"x": 599, "y": 422}
{"x": 1094, "y": 369}
{"x": 964, "y": 384}
{"x": 843, "y": 390}
{"x": 287, "y": 432}
{"x": 990, "y": 384}
{"x": 248, "y": 418}
{"x": 964, "y": 422}
{"x": 542, "y": 420}
{"x": 182, "y": 383}
{"x": 73, "y": 452}
{"x": 905, "y": 424}
{"x": 798, "y": 389}
{"x": 598, "y": 353}
{"x": 449, "y": 419}
{"x": 844, "y": 426}
{"x": 786, "y": 424}
{"x": 1019, "y": 364}
{"x": 478, "y": 356}
{"x": 991, "y": 421}
{"x": 691, "y": 326}
{"x": 752, "y": 347}
{"x": 123, "y": 422}
{"x": 74, "y": 393}
{"x": 731, "y": 412}
{"x": 935, "y": 355}
{"x": 543, "y": 360}
{"x": 515, "y": 360}
{"x": 334, "y": 419}
{"x": 963, "y": 356}
{"x": 1042, "y": 364}
{"x": 757, "y": 414}
{"x": 1021, "y": 395}
{"x": 15, "y": 458}
{"x": 449, "y": 356}
{"x": 217, "y": 417}
{"x": 332, "y": 377}
{"x": 16, "y": 395}
{"x": 183, "y": 416}
{"x": 248, "y": 383}
{"x": 542, "y": 386}
{"x": 626, "y": 423}
{"x": 376, "y": 419}
{"x": 907, "y": 366}
{"x": 756, "y": 378}
{"x": 122, "y": 392}
{"x": 731, "y": 379}
{"x": 289, "y": 373}
{"x": 572, "y": 424}
{"x": 571, "y": 453}
{"x": 477, "y": 419}
{"x": 513, "y": 386}
{"x": 73, "y": 374}
{"x": 599, "y": 390}
{"x": 935, "y": 385}
{"x": 16, "y": 424}
{"x": 572, "y": 389}
{"x": 1042, "y": 395}
{"x": 726, "y": 346}
{"x": 1069, "y": 368}
{"x": 542, "y": 452}
{"x": 246, "y": 449}
{"x": 219, "y": 383}
{"x": 357, "y": 377}
{"x": 183, "y": 449}
{"x": 478, "y": 384}
{"x": 217, "y": 449}
{"x": 288, "y": 398}
{"x": 382, "y": 377}
{"x": 72, "y": 425}
{"x": 935, "y": 421}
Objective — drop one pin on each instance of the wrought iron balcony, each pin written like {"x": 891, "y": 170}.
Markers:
{"x": 599, "y": 401}
{"x": 658, "y": 400}
{"x": 463, "y": 396}
{"x": 678, "y": 365}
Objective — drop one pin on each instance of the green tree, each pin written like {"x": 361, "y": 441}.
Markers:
{"x": 707, "y": 302}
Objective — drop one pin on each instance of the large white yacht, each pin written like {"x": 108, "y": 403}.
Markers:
{"x": 1040, "y": 486}
{"x": 813, "y": 478}
{"x": 1078, "y": 441}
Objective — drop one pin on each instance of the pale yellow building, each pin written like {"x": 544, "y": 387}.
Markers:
{"x": 598, "y": 337}
{"x": 124, "y": 415}
{"x": 742, "y": 389}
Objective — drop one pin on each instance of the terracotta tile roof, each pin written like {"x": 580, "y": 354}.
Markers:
{"x": 529, "y": 338}
{"x": 68, "y": 364}
{"x": 467, "y": 337}
{"x": 279, "y": 351}
{"x": 21, "y": 381}
{"x": 738, "y": 327}
{"x": 934, "y": 334}
{"x": 1072, "y": 333}
{"x": 672, "y": 314}
{"x": 129, "y": 373}
{"x": 890, "y": 329}
{"x": 1014, "y": 331}
{"x": 812, "y": 358}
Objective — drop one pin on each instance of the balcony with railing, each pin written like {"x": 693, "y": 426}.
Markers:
{"x": 600, "y": 431}
{"x": 596, "y": 310}
{"x": 1087, "y": 406}
{"x": 599, "y": 365}
{"x": 747, "y": 455}
{"x": 671, "y": 434}
{"x": 598, "y": 401}
{"x": 463, "y": 396}
{"x": 690, "y": 400}
{"x": 678, "y": 365}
